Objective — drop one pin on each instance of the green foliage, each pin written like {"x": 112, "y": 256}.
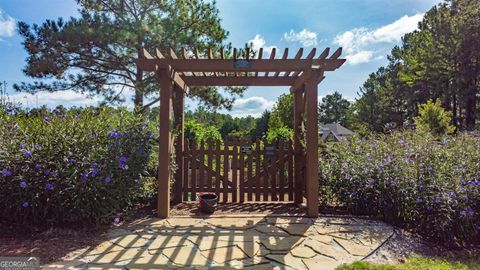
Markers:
{"x": 282, "y": 113}
{"x": 282, "y": 133}
{"x": 415, "y": 263}
{"x": 197, "y": 132}
{"x": 228, "y": 126}
{"x": 93, "y": 53}
{"x": 335, "y": 109}
{"x": 412, "y": 179}
{"x": 261, "y": 126}
{"x": 78, "y": 167}
{"x": 433, "y": 118}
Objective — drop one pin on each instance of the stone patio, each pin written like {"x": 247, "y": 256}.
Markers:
{"x": 232, "y": 243}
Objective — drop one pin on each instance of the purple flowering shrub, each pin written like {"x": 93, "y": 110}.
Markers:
{"x": 70, "y": 167}
{"x": 412, "y": 179}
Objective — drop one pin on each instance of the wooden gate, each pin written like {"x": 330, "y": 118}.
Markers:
{"x": 238, "y": 171}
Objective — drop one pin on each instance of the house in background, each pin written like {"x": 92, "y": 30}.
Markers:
{"x": 334, "y": 132}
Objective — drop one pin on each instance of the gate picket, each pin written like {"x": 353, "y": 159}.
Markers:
{"x": 242, "y": 171}
{"x": 234, "y": 170}
{"x": 249, "y": 176}
{"x": 290, "y": 171}
{"x": 266, "y": 175}
{"x": 201, "y": 176}
{"x": 193, "y": 193}
{"x": 281, "y": 171}
{"x": 186, "y": 168}
{"x": 209, "y": 164}
{"x": 218, "y": 168}
{"x": 225, "y": 172}
{"x": 258, "y": 178}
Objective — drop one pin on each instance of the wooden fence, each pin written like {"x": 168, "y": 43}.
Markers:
{"x": 238, "y": 171}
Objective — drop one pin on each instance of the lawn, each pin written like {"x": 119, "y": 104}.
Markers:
{"x": 415, "y": 263}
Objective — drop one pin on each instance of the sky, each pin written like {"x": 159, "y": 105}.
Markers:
{"x": 366, "y": 30}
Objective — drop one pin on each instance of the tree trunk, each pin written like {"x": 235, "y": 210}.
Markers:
{"x": 455, "y": 111}
{"x": 470, "y": 111}
{"x": 138, "y": 100}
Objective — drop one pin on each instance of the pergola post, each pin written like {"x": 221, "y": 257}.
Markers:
{"x": 164, "y": 144}
{"x": 311, "y": 96}
{"x": 179, "y": 122}
{"x": 298, "y": 108}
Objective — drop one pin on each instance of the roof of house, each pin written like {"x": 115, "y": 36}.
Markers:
{"x": 336, "y": 129}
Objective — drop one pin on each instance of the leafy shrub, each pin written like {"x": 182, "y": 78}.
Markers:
{"x": 281, "y": 133}
{"x": 197, "y": 132}
{"x": 70, "y": 167}
{"x": 433, "y": 118}
{"x": 411, "y": 179}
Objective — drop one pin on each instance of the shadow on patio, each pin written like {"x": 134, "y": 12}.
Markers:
{"x": 269, "y": 242}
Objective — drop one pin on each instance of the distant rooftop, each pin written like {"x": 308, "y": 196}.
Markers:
{"x": 334, "y": 132}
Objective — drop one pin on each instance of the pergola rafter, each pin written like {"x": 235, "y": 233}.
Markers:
{"x": 176, "y": 74}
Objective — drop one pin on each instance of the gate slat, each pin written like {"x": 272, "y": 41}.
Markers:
{"x": 266, "y": 175}
{"x": 290, "y": 170}
{"x": 201, "y": 155}
{"x": 258, "y": 179}
{"x": 194, "y": 172}
{"x": 242, "y": 172}
{"x": 217, "y": 168}
{"x": 281, "y": 170}
{"x": 209, "y": 164}
{"x": 234, "y": 170}
{"x": 186, "y": 170}
{"x": 250, "y": 177}
{"x": 225, "y": 172}
{"x": 273, "y": 175}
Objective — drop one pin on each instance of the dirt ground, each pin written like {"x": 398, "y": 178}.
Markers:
{"x": 222, "y": 209}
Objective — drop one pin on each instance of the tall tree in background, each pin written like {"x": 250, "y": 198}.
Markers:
{"x": 94, "y": 53}
{"x": 261, "y": 126}
{"x": 467, "y": 20}
{"x": 439, "y": 60}
{"x": 282, "y": 113}
{"x": 334, "y": 109}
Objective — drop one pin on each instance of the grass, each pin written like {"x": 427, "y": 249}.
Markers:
{"x": 415, "y": 263}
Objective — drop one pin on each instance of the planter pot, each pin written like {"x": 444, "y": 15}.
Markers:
{"x": 207, "y": 201}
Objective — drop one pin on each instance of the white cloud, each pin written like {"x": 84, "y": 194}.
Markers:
{"x": 306, "y": 37}
{"x": 259, "y": 42}
{"x": 358, "y": 42}
{"x": 7, "y": 25}
{"x": 360, "y": 57}
{"x": 67, "y": 98}
{"x": 253, "y": 106}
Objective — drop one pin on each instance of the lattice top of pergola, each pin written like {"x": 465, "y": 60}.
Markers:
{"x": 193, "y": 69}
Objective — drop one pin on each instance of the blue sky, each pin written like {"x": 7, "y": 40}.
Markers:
{"x": 367, "y": 30}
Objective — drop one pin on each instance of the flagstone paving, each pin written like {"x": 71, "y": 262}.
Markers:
{"x": 233, "y": 243}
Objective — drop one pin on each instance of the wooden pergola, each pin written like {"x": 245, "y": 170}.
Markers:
{"x": 301, "y": 74}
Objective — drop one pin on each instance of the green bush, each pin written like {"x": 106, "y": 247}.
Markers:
{"x": 433, "y": 118}
{"x": 282, "y": 133}
{"x": 70, "y": 167}
{"x": 411, "y": 179}
{"x": 197, "y": 132}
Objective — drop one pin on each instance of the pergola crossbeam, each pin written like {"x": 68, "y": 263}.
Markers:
{"x": 238, "y": 81}
{"x": 227, "y": 65}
